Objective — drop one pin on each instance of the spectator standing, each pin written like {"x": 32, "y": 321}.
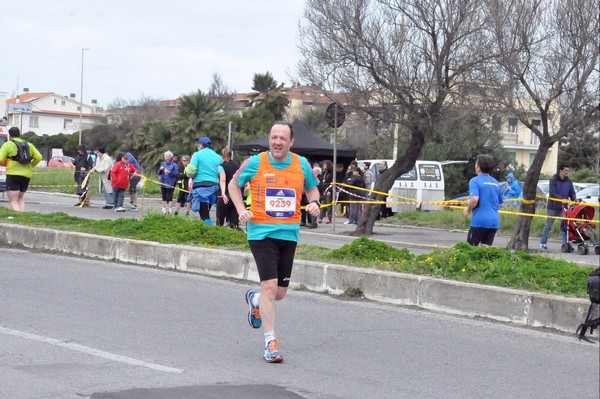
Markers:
{"x": 512, "y": 189}
{"x": 168, "y": 172}
{"x": 561, "y": 187}
{"x": 326, "y": 191}
{"x": 18, "y": 175}
{"x": 384, "y": 211}
{"x": 103, "y": 166}
{"x": 83, "y": 164}
{"x": 277, "y": 179}
{"x": 183, "y": 186}
{"x": 133, "y": 182}
{"x": 120, "y": 174}
{"x": 206, "y": 180}
{"x": 485, "y": 202}
{"x": 368, "y": 175}
{"x": 225, "y": 208}
{"x": 354, "y": 208}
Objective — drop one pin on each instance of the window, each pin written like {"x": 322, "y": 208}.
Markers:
{"x": 535, "y": 140}
{"x": 63, "y": 102}
{"x": 512, "y": 157}
{"x": 55, "y": 101}
{"x": 33, "y": 121}
{"x": 79, "y": 108}
{"x": 67, "y": 122}
{"x": 531, "y": 158}
{"x": 512, "y": 125}
{"x": 496, "y": 123}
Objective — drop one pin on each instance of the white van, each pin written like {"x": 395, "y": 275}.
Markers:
{"x": 3, "y": 139}
{"x": 423, "y": 183}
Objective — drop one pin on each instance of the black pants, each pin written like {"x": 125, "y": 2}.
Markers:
{"x": 227, "y": 212}
{"x": 204, "y": 211}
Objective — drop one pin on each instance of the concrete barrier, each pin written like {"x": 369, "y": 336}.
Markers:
{"x": 474, "y": 300}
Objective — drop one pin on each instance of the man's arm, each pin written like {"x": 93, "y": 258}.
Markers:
{"x": 313, "y": 207}
{"x": 37, "y": 156}
{"x": 235, "y": 195}
{"x": 471, "y": 205}
{"x": 222, "y": 178}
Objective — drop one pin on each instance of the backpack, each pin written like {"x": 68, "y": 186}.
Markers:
{"x": 23, "y": 153}
{"x": 593, "y": 283}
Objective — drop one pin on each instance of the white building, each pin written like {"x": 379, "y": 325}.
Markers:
{"x": 50, "y": 113}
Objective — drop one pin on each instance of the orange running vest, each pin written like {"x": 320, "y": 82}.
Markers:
{"x": 276, "y": 193}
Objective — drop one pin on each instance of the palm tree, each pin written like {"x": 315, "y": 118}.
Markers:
{"x": 269, "y": 95}
{"x": 199, "y": 115}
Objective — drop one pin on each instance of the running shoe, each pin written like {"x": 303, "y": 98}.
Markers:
{"x": 543, "y": 246}
{"x": 272, "y": 354}
{"x": 254, "y": 313}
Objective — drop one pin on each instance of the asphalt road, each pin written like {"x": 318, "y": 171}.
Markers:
{"x": 80, "y": 328}
{"x": 417, "y": 240}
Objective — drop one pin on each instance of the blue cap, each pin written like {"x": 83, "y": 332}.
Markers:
{"x": 205, "y": 141}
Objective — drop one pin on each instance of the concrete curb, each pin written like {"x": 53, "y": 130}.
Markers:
{"x": 473, "y": 300}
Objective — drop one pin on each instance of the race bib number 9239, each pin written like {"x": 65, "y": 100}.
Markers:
{"x": 280, "y": 202}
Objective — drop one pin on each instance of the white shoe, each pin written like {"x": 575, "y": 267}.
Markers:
{"x": 347, "y": 222}
{"x": 120, "y": 209}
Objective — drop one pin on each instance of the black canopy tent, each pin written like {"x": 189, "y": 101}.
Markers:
{"x": 306, "y": 144}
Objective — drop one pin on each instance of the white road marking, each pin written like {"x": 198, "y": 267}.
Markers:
{"x": 90, "y": 351}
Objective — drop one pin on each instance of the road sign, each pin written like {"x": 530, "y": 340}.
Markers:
{"x": 19, "y": 108}
{"x": 330, "y": 115}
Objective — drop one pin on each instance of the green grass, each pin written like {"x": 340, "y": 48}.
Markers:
{"x": 61, "y": 180}
{"x": 453, "y": 219}
{"x": 489, "y": 266}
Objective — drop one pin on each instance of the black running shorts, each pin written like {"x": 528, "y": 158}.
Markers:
{"x": 274, "y": 259}
{"x": 481, "y": 235}
{"x": 17, "y": 183}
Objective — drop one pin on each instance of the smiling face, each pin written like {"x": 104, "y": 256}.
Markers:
{"x": 280, "y": 142}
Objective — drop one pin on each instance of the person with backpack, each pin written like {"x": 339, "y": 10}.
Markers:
{"x": 20, "y": 157}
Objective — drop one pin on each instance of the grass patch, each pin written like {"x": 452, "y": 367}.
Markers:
{"x": 61, "y": 180}
{"x": 488, "y": 266}
{"x": 453, "y": 219}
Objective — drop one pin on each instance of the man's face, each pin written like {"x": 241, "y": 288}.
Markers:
{"x": 280, "y": 142}
{"x": 565, "y": 172}
{"x": 382, "y": 166}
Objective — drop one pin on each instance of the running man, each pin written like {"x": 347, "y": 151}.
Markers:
{"x": 17, "y": 174}
{"x": 277, "y": 180}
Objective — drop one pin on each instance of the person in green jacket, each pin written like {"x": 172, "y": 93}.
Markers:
{"x": 17, "y": 174}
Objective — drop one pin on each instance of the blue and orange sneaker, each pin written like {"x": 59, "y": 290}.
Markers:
{"x": 254, "y": 313}
{"x": 272, "y": 354}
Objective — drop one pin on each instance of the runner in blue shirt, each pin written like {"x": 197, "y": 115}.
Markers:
{"x": 485, "y": 202}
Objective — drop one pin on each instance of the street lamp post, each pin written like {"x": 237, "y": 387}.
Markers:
{"x": 81, "y": 96}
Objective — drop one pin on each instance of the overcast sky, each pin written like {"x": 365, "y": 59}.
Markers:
{"x": 152, "y": 48}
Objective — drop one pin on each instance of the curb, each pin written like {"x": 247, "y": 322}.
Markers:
{"x": 447, "y": 296}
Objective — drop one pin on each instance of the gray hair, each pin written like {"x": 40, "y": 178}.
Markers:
{"x": 169, "y": 153}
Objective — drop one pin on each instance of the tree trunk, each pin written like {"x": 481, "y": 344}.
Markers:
{"x": 385, "y": 182}
{"x": 520, "y": 237}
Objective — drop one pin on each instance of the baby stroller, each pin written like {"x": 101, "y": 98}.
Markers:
{"x": 580, "y": 232}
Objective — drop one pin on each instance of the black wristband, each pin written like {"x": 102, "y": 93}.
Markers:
{"x": 316, "y": 202}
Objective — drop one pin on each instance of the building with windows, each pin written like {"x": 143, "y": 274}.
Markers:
{"x": 522, "y": 144}
{"x": 49, "y": 113}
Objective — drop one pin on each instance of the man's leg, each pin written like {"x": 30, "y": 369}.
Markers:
{"x": 548, "y": 226}
{"x": 13, "y": 201}
{"x": 269, "y": 293}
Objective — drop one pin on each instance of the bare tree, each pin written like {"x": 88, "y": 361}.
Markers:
{"x": 547, "y": 66}
{"x": 400, "y": 61}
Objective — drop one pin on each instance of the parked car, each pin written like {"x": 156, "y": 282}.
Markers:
{"x": 61, "y": 161}
{"x": 544, "y": 186}
{"x": 590, "y": 194}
